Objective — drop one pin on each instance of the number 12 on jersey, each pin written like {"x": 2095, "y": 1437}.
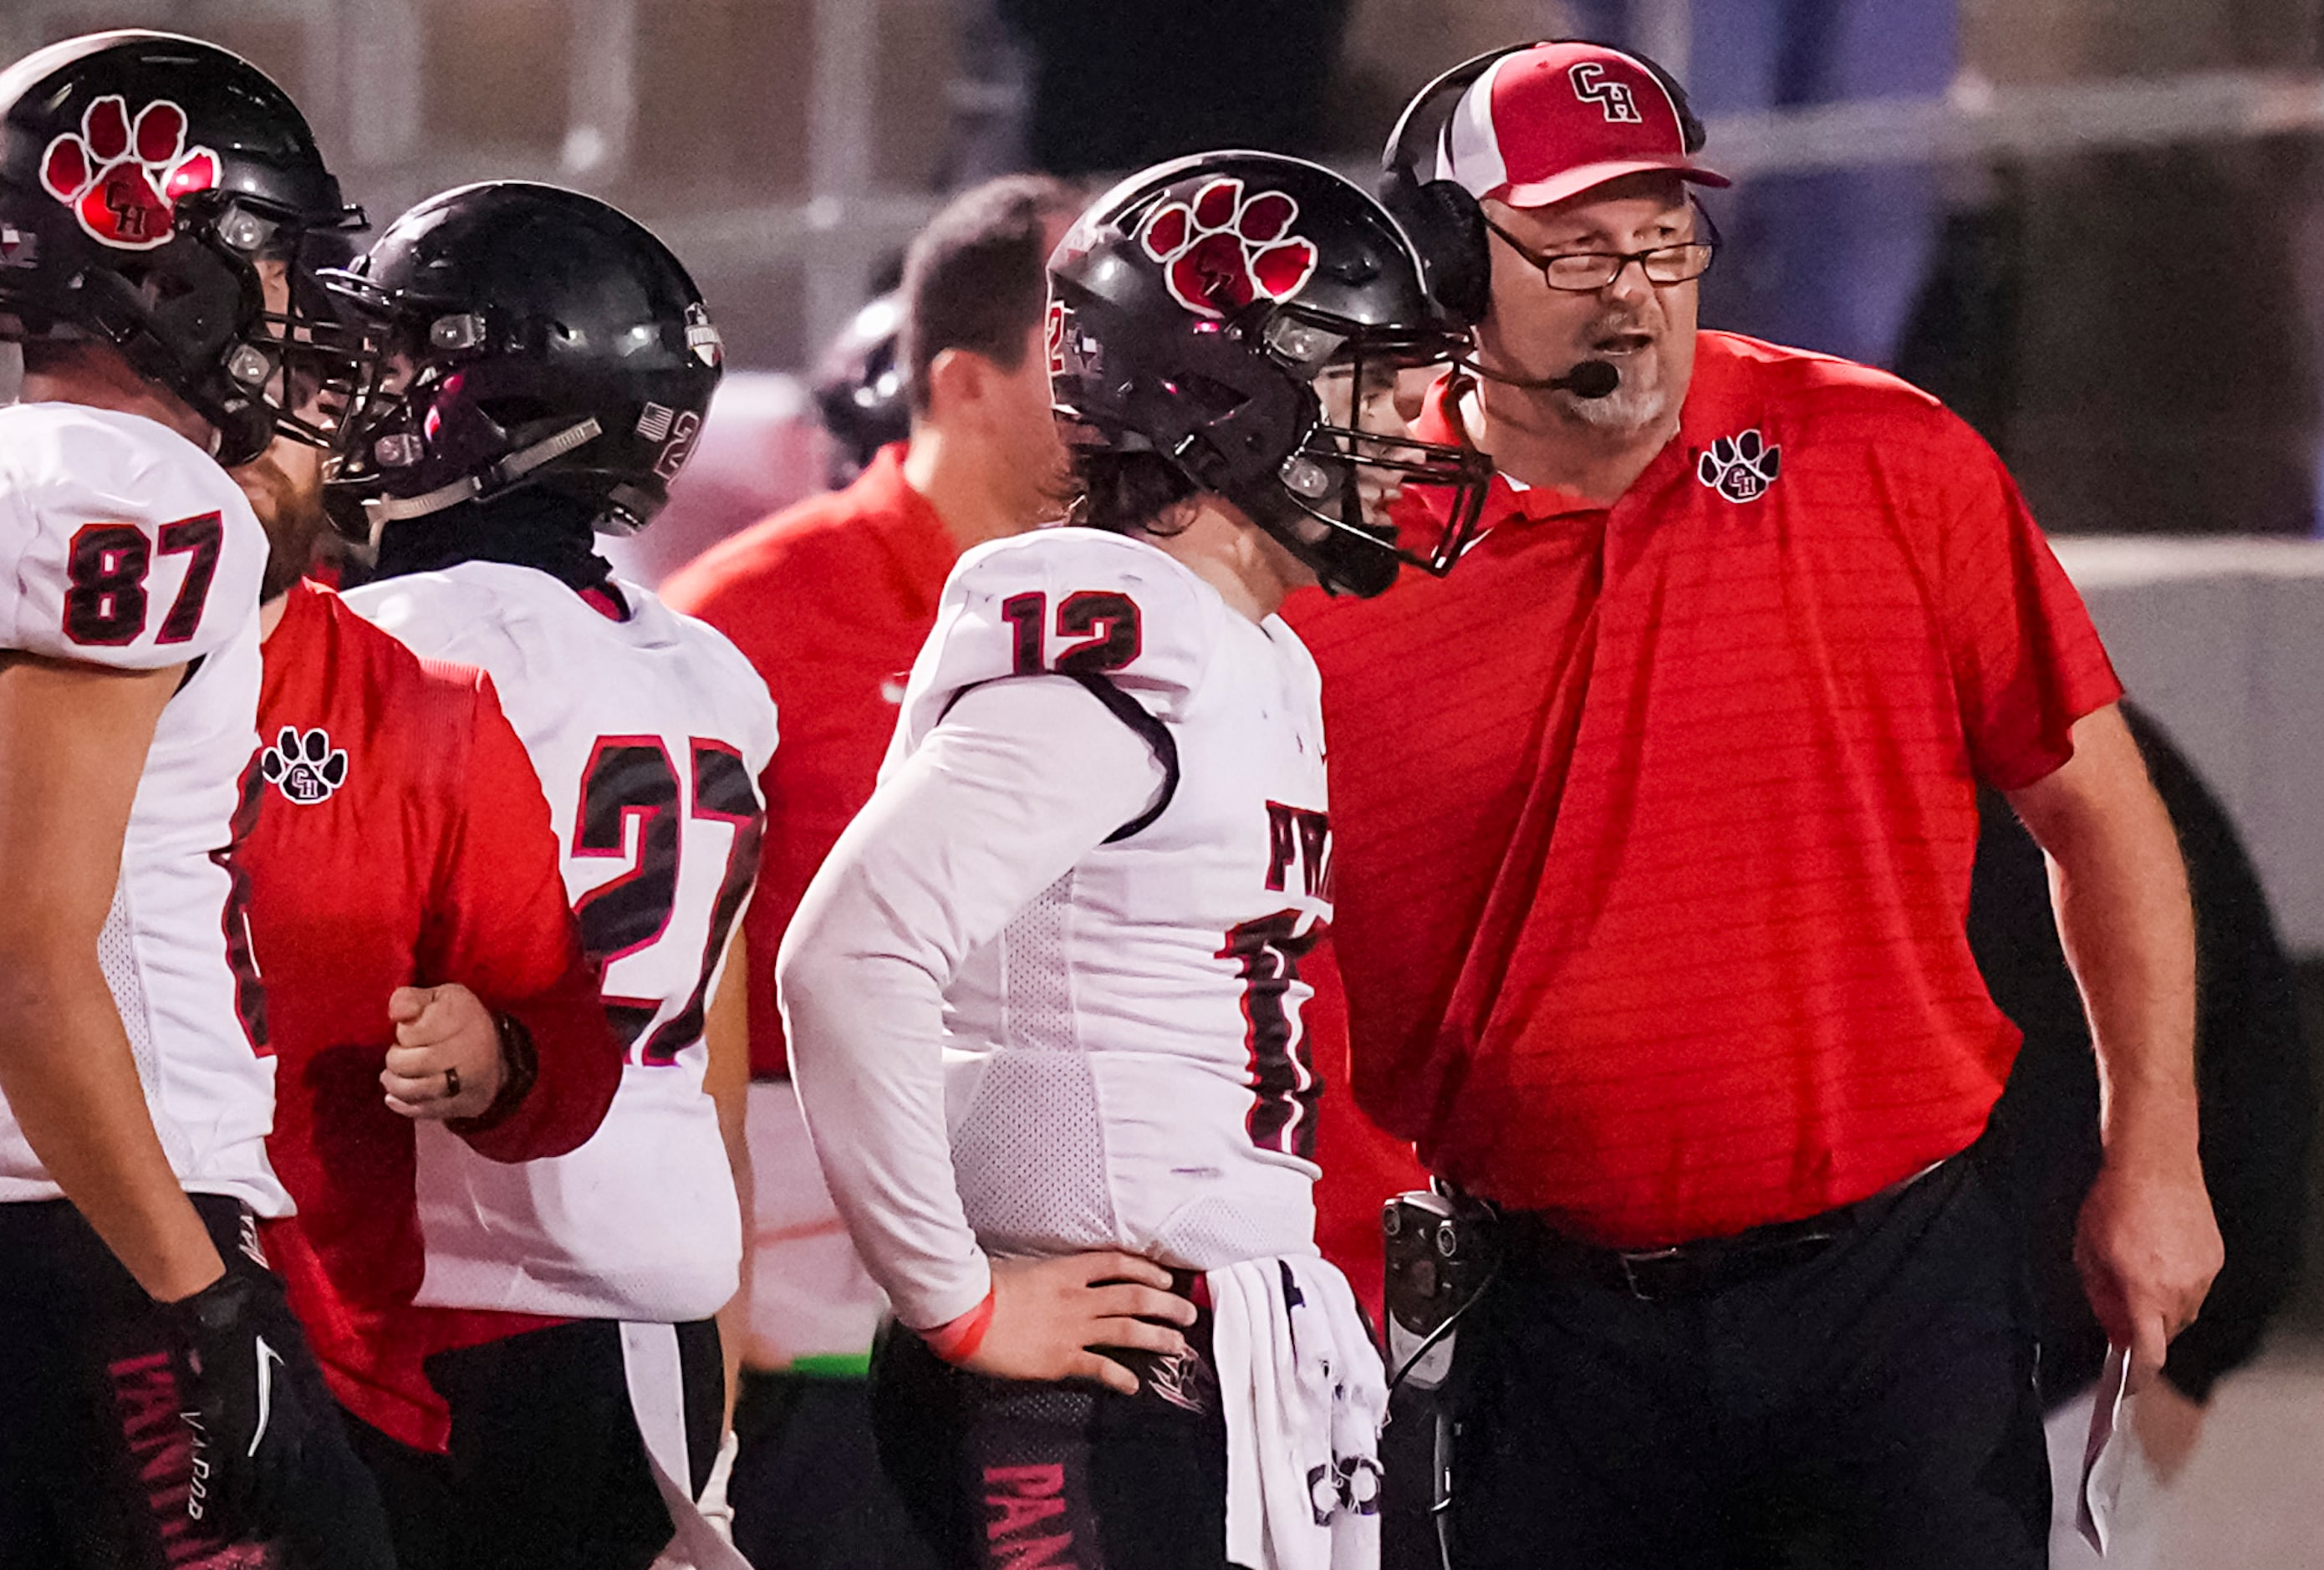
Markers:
{"x": 1105, "y": 623}
{"x": 632, "y": 778}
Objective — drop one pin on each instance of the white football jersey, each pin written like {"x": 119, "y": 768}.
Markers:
{"x": 122, "y": 544}
{"x": 649, "y": 735}
{"x": 1126, "y": 1064}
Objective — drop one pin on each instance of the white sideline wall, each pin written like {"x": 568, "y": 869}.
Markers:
{"x": 2222, "y": 640}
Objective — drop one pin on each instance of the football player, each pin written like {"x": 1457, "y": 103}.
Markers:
{"x": 407, "y": 909}
{"x": 155, "y": 196}
{"x": 942, "y": 405}
{"x": 550, "y": 362}
{"x": 1043, "y": 997}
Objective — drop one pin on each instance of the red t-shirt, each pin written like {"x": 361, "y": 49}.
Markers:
{"x": 402, "y": 839}
{"x": 829, "y": 600}
{"x": 1653, "y": 822}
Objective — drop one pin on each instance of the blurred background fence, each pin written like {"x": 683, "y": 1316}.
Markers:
{"x": 2087, "y": 224}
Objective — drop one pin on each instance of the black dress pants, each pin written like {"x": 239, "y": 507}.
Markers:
{"x": 1872, "y": 1406}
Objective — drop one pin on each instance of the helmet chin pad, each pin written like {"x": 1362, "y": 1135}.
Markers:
{"x": 1361, "y": 561}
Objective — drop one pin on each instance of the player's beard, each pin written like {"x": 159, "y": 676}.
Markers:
{"x": 290, "y": 507}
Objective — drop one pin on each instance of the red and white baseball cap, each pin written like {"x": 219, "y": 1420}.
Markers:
{"x": 1547, "y": 122}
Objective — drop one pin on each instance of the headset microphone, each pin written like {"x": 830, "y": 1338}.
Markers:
{"x": 1590, "y": 379}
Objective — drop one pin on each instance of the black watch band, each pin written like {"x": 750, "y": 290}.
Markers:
{"x": 520, "y": 1068}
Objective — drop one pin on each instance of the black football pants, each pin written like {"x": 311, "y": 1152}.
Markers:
{"x": 1874, "y": 1406}
{"x": 96, "y": 1465}
{"x": 1000, "y": 1474}
{"x": 546, "y": 1469}
{"x": 807, "y": 1491}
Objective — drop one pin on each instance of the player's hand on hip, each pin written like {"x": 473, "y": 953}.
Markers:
{"x": 445, "y": 1062}
{"x": 2147, "y": 1247}
{"x": 251, "y": 1419}
{"x": 1051, "y": 1317}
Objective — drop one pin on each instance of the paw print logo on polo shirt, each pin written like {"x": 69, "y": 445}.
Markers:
{"x": 1739, "y": 467}
{"x": 306, "y": 767}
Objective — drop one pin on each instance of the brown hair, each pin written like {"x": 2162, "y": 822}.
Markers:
{"x": 1125, "y": 492}
{"x": 975, "y": 278}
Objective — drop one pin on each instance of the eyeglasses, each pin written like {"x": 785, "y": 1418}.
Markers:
{"x": 1587, "y": 271}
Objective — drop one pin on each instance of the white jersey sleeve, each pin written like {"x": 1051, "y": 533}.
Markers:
{"x": 957, "y": 840}
{"x": 123, "y": 545}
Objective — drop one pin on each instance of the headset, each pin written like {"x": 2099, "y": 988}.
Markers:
{"x": 1444, "y": 220}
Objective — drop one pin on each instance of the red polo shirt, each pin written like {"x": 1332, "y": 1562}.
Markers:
{"x": 830, "y": 600}
{"x": 1653, "y": 822}
{"x": 402, "y": 839}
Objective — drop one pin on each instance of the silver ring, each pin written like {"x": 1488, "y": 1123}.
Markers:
{"x": 451, "y": 1084}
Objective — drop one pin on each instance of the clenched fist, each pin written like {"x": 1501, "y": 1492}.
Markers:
{"x": 2147, "y": 1247}
{"x": 445, "y": 1062}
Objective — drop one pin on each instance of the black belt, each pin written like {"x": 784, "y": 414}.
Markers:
{"x": 1695, "y": 1269}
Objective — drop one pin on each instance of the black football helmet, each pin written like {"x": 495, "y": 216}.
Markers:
{"x": 532, "y": 336}
{"x": 143, "y": 177}
{"x": 1193, "y": 311}
{"x": 859, "y": 389}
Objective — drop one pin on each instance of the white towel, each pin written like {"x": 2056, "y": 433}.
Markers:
{"x": 650, "y": 1361}
{"x": 1304, "y": 1397}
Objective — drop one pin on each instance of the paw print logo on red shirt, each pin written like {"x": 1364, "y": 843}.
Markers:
{"x": 304, "y": 765}
{"x": 123, "y": 177}
{"x": 1223, "y": 250}
{"x": 1740, "y": 467}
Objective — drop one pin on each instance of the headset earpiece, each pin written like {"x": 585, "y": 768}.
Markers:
{"x": 1441, "y": 218}
{"x": 1447, "y": 229}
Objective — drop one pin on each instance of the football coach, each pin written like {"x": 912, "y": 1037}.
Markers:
{"x": 1654, "y": 830}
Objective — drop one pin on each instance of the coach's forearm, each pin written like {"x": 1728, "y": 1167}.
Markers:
{"x": 2132, "y": 951}
{"x": 70, "y": 1080}
{"x": 2119, "y": 886}
{"x": 2145, "y": 1242}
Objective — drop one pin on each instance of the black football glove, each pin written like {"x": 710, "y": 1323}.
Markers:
{"x": 250, "y": 1422}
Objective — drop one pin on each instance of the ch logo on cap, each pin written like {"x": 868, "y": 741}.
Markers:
{"x": 1591, "y": 86}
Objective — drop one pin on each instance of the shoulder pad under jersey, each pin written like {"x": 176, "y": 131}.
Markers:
{"x": 723, "y": 676}
{"x": 120, "y": 543}
{"x": 1074, "y": 602}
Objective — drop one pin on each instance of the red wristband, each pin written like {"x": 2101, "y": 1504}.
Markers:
{"x": 956, "y": 1340}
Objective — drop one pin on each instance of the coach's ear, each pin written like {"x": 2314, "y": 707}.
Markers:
{"x": 958, "y": 380}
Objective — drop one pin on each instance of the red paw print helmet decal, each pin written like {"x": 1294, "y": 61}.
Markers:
{"x": 1225, "y": 249}
{"x": 123, "y": 177}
